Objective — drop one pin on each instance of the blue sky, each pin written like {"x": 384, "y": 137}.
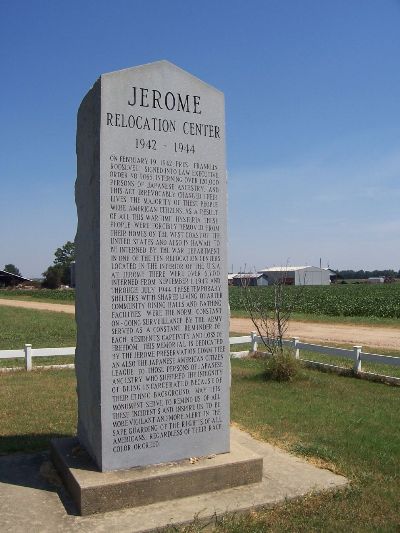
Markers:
{"x": 312, "y": 108}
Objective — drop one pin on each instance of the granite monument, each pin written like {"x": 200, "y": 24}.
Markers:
{"x": 152, "y": 307}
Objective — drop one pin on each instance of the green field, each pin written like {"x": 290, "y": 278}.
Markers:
{"x": 350, "y": 300}
{"x": 62, "y": 296}
{"x": 347, "y": 425}
{"x": 352, "y": 303}
{"x": 363, "y": 300}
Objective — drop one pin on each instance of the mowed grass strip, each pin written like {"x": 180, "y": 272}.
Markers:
{"x": 42, "y": 329}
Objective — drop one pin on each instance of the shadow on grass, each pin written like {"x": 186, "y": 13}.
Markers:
{"x": 34, "y": 442}
{"x": 32, "y": 470}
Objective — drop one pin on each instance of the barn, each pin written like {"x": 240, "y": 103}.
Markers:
{"x": 7, "y": 279}
{"x": 298, "y": 275}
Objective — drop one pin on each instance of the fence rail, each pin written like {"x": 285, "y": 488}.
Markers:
{"x": 356, "y": 354}
{"x": 28, "y": 352}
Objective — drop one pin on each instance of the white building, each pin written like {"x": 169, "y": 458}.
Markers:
{"x": 376, "y": 280}
{"x": 298, "y": 275}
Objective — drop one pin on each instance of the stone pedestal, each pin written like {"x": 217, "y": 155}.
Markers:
{"x": 98, "y": 492}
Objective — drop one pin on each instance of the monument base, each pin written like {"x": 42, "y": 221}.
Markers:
{"x": 98, "y": 492}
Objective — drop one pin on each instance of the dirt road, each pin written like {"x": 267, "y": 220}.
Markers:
{"x": 377, "y": 337}
{"x": 317, "y": 333}
{"x": 41, "y": 306}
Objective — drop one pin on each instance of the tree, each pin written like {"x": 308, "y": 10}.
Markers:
{"x": 65, "y": 255}
{"x": 53, "y": 277}
{"x": 12, "y": 269}
{"x": 270, "y": 317}
{"x": 60, "y": 272}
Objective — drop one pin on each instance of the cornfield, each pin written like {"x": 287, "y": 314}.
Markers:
{"x": 358, "y": 300}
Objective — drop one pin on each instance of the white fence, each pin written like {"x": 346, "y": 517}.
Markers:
{"x": 28, "y": 352}
{"x": 355, "y": 354}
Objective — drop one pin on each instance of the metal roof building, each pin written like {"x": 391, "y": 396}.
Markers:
{"x": 298, "y": 275}
{"x": 7, "y": 279}
{"x": 258, "y": 279}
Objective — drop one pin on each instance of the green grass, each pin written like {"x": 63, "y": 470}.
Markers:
{"x": 42, "y": 329}
{"x": 352, "y": 425}
{"x": 58, "y": 296}
{"x": 349, "y": 425}
{"x": 35, "y": 407}
{"x": 376, "y": 368}
{"x": 385, "y": 370}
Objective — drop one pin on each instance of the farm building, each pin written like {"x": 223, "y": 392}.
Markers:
{"x": 253, "y": 280}
{"x": 298, "y": 275}
{"x": 230, "y": 278}
{"x": 7, "y": 279}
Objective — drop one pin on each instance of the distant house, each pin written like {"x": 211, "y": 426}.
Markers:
{"x": 376, "y": 280}
{"x": 7, "y": 279}
{"x": 258, "y": 279}
{"x": 298, "y": 275}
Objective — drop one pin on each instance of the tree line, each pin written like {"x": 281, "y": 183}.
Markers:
{"x": 365, "y": 274}
{"x": 57, "y": 274}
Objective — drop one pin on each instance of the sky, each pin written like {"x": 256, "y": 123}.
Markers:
{"x": 312, "y": 115}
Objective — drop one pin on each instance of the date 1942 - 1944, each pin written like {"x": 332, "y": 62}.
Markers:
{"x": 151, "y": 144}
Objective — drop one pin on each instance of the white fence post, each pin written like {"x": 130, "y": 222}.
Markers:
{"x": 357, "y": 358}
{"x": 254, "y": 343}
{"x": 296, "y": 350}
{"x": 28, "y": 357}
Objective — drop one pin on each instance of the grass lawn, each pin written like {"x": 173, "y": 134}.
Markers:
{"x": 42, "y": 329}
{"x": 351, "y": 425}
{"x": 35, "y": 407}
{"x": 348, "y": 425}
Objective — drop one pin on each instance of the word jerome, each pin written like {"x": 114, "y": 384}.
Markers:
{"x": 168, "y": 100}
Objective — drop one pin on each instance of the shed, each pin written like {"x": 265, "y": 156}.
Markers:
{"x": 298, "y": 275}
{"x": 258, "y": 279}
